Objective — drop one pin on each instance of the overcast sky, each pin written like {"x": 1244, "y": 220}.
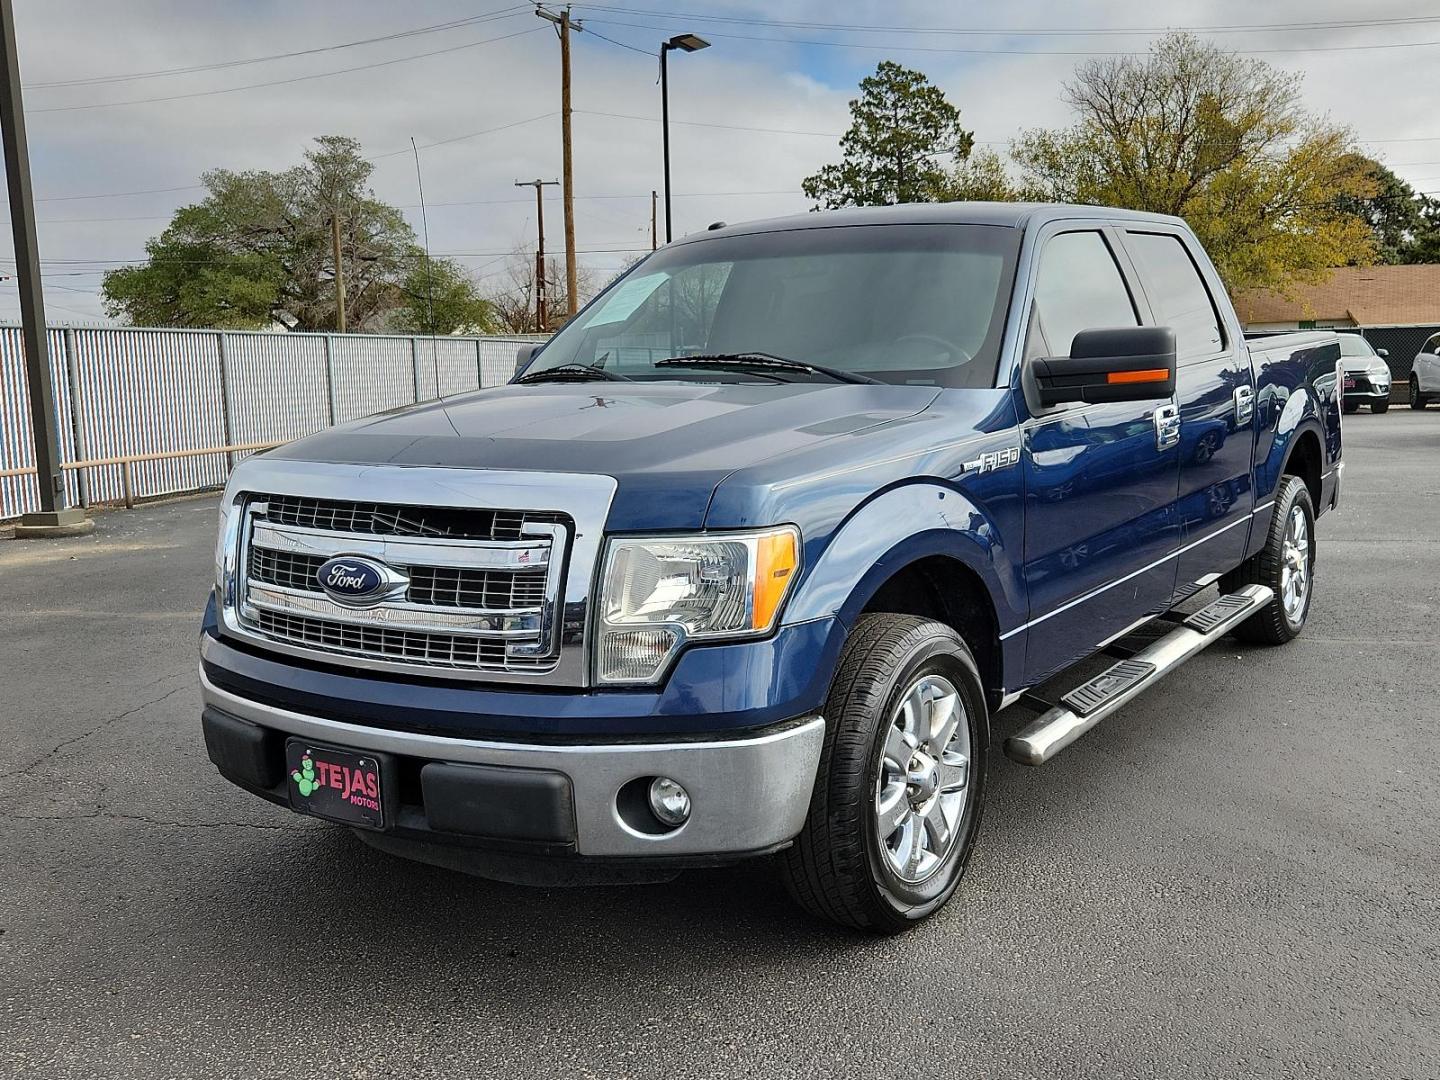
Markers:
{"x": 493, "y": 93}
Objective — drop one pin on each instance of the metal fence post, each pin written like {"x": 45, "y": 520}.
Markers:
{"x": 415, "y": 369}
{"x": 479, "y": 366}
{"x": 77, "y": 431}
{"x": 225, "y": 400}
{"x": 330, "y": 380}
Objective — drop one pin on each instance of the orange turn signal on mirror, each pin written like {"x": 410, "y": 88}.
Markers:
{"x": 1148, "y": 375}
{"x": 776, "y": 556}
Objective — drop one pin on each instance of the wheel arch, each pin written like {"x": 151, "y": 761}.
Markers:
{"x": 943, "y": 588}
{"x": 1304, "y": 457}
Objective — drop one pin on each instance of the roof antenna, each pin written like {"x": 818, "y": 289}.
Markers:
{"x": 429, "y": 270}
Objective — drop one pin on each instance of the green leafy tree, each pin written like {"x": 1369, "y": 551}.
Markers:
{"x": 1220, "y": 140}
{"x": 1393, "y": 210}
{"x": 982, "y": 177}
{"x": 439, "y": 297}
{"x": 258, "y": 251}
{"x": 903, "y": 135}
{"x": 1424, "y": 246}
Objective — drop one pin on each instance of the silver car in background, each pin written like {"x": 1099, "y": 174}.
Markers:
{"x": 1366, "y": 375}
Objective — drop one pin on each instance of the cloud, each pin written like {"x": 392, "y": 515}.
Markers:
{"x": 719, "y": 174}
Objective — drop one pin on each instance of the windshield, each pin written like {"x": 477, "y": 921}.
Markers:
{"x": 1354, "y": 345}
{"x": 901, "y": 304}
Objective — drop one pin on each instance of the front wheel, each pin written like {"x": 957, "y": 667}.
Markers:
{"x": 901, "y": 781}
{"x": 1379, "y": 407}
{"x": 1286, "y": 563}
{"x": 1417, "y": 399}
{"x": 1348, "y": 407}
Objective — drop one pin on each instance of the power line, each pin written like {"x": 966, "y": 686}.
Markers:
{"x": 285, "y": 82}
{"x": 1006, "y": 52}
{"x": 1020, "y": 31}
{"x": 454, "y": 24}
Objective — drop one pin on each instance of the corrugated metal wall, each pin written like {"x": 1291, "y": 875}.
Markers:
{"x": 131, "y": 391}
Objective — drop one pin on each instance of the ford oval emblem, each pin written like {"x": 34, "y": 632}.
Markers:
{"x": 356, "y": 581}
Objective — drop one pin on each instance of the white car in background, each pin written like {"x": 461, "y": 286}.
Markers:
{"x": 1425, "y": 374}
{"x": 1366, "y": 375}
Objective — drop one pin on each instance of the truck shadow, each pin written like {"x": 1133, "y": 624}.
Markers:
{"x": 385, "y": 915}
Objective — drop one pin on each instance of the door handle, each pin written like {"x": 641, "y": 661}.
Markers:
{"x": 1244, "y": 404}
{"x": 1167, "y": 426}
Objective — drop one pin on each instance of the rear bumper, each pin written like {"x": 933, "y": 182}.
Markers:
{"x": 749, "y": 794}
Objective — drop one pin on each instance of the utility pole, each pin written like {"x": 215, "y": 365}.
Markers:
{"x": 563, "y": 25}
{"x": 55, "y": 517}
{"x": 654, "y": 236}
{"x": 339, "y": 273}
{"x": 538, "y": 184}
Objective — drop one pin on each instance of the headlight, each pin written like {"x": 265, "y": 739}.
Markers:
{"x": 658, "y": 593}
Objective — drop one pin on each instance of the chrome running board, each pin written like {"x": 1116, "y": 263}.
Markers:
{"x": 1085, "y": 706}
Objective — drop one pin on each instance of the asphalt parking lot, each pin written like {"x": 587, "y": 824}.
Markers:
{"x": 1238, "y": 875}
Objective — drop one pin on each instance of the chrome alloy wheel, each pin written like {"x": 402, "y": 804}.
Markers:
{"x": 1295, "y": 564}
{"x": 920, "y": 792}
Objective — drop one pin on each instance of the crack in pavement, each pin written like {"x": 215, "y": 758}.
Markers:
{"x": 26, "y": 770}
{"x": 117, "y": 816}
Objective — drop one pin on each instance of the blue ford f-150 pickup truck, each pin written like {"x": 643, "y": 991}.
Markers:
{"x": 743, "y": 560}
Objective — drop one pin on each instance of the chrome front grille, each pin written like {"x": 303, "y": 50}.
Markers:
{"x": 434, "y": 586}
{"x": 407, "y": 646}
{"x": 480, "y": 590}
{"x": 386, "y": 519}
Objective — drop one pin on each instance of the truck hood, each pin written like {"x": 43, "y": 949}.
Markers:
{"x": 668, "y": 445}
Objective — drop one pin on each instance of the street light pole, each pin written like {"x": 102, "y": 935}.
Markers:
{"x": 685, "y": 43}
{"x": 55, "y": 517}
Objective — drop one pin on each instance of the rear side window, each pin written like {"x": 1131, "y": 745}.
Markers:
{"x": 1078, "y": 287}
{"x": 1177, "y": 294}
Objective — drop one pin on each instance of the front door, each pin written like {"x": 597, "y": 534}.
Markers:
{"x": 1100, "y": 480}
{"x": 1215, "y": 388}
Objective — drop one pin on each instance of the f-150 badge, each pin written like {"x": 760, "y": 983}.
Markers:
{"x": 994, "y": 459}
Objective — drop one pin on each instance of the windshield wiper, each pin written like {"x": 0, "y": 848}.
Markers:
{"x": 763, "y": 361}
{"x": 573, "y": 373}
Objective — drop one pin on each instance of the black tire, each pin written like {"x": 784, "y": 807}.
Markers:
{"x": 1348, "y": 407}
{"x": 1378, "y": 407}
{"x": 1417, "y": 399}
{"x": 836, "y": 869}
{"x": 1272, "y": 625}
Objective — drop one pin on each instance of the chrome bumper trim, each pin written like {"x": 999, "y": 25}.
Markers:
{"x": 748, "y": 794}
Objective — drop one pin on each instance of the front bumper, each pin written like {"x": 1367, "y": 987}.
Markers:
{"x": 748, "y": 794}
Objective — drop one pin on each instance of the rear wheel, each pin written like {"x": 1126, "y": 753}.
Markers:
{"x": 1286, "y": 563}
{"x": 901, "y": 782}
{"x": 1380, "y": 406}
{"x": 1417, "y": 399}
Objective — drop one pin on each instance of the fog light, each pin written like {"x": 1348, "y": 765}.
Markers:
{"x": 669, "y": 801}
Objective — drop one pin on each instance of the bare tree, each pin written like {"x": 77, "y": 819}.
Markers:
{"x": 513, "y": 300}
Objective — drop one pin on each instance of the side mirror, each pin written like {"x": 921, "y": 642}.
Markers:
{"x": 523, "y": 355}
{"x": 1382, "y": 352}
{"x": 1123, "y": 363}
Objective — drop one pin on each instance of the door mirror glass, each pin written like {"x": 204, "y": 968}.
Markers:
{"x": 1123, "y": 363}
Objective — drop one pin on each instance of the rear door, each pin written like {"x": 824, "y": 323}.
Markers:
{"x": 1100, "y": 480}
{"x": 1216, "y": 392}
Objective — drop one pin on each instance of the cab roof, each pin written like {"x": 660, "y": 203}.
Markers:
{"x": 1002, "y": 214}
